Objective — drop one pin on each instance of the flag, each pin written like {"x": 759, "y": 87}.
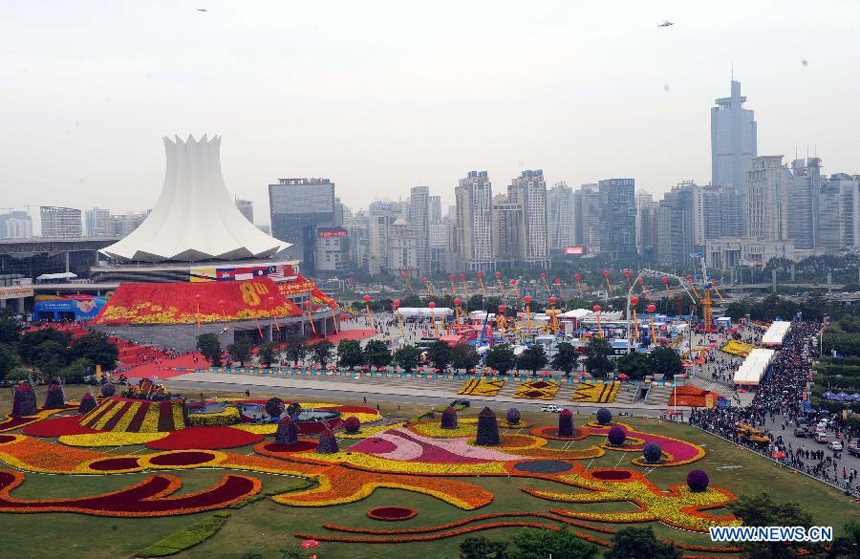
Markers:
{"x": 277, "y": 272}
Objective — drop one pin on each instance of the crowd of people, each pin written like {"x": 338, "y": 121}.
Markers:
{"x": 778, "y": 405}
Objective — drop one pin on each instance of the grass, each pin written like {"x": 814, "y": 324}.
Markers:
{"x": 263, "y": 526}
{"x": 187, "y": 538}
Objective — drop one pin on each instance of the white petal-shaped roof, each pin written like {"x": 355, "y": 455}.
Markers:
{"x": 195, "y": 218}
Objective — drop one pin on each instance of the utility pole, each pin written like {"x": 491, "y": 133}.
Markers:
{"x": 773, "y": 272}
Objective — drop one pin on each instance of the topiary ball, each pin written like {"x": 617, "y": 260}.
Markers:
{"x": 449, "y": 419}
{"x": 288, "y": 431}
{"x": 275, "y": 407}
{"x": 54, "y": 398}
{"x": 294, "y": 409}
{"x": 604, "y": 416}
{"x": 327, "y": 443}
{"x": 488, "y": 428}
{"x": 653, "y": 453}
{"x": 616, "y": 436}
{"x": 88, "y": 403}
{"x": 565, "y": 423}
{"x": 108, "y": 390}
{"x": 24, "y": 401}
{"x": 513, "y": 416}
{"x": 352, "y": 424}
{"x": 697, "y": 480}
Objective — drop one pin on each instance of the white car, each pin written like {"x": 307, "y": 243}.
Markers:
{"x": 551, "y": 408}
{"x": 821, "y": 438}
{"x": 835, "y": 445}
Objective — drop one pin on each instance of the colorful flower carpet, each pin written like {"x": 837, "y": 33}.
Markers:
{"x": 537, "y": 390}
{"x": 734, "y": 347}
{"x": 596, "y": 392}
{"x": 481, "y": 387}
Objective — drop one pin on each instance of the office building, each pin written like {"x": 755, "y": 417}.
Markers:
{"x": 507, "y": 232}
{"x": 727, "y": 253}
{"x": 298, "y": 206}
{"x": 332, "y": 249}
{"x": 60, "y": 222}
{"x": 586, "y": 207}
{"x": 733, "y": 140}
{"x": 839, "y": 213}
{"x": 16, "y": 225}
{"x": 97, "y": 222}
{"x": 419, "y": 222}
{"x": 403, "y": 247}
{"x": 676, "y": 225}
{"x": 474, "y": 196}
{"x": 561, "y": 231}
{"x": 123, "y": 225}
{"x": 435, "y": 209}
{"x": 804, "y": 189}
{"x": 767, "y": 198}
{"x": 381, "y": 217}
{"x": 246, "y": 208}
{"x": 646, "y": 225}
{"x": 617, "y": 217}
{"x": 529, "y": 191}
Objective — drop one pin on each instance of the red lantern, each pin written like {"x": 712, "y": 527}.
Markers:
{"x": 462, "y": 276}
{"x": 605, "y": 273}
{"x": 527, "y": 299}
{"x": 457, "y": 301}
{"x": 425, "y": 280}
{"x": 543, "y": 275}
{"x": 634, "y": 301}
{"x": 501, "y": 309}
{"x": 641, "y": 281}
{"x": 197, "y": 296}
{"x": 665, "y": 279}
{"x": 652, "y": 308}
{"x": 552, "y": 300}
{"x": 689, "y": 278}
{"x": 403, "y": 274}
{"x": 514, "y": 282}
{"x": 451, "y": 277}
{"x": 366, "y": 298}
{"x": 713, "y": 282}
{"x": 576, "y": 277}
{"x": 480, "y": 273}
{"x": 396, "y": 303}
{"x": 498, "y": 275}
{"x": 596, "y": 308}
{"x": 308, "y": 544}
{"x": 626, "y": 272}
{"x": 221, "y": 302}
{"x": 558, "y": 281}
{"x": 431, "y": 304}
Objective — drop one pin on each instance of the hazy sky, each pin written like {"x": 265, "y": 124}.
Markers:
{"x": 383, "y": 95}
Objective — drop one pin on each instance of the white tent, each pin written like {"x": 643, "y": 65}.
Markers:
{"x": 424, "y": 312}
{"x": 753, "y": 367}
{"x": 776, "y": 333}
{"x": 59, "y": 275}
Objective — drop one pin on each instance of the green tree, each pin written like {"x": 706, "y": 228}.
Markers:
{"x": 501, "y": 358}
{"x": 349, "y": 354}
{"x": 565, "y": 358}
{"x": 667, "y": 361}
{"x": 481, "y": 547}
{"x": 848, "y": 544}
{"x": 30, "y": 342}
{"x": 407, "y": 358}
{"x": 541, "y": 544}
{"x": 10, "y": 328}
{"x": 532, "y": 358}
{"x": 640, "y": 543}
{"x": 377, "y": 354}
{"x": 76, "y": 371}
{"x": 210, "y": 347}
{"x": 8, "y": 360}
{"x": 760, "y": 510}
{"x": 322, "y": 352}
{"x": 295, "y": 552}
{"x": 52, "y": 356}
{"x": 439, "y": 354}
{"x": 269, "y": 353}
{"x": 295, "y": 347}
{"x": 240, "y": 351}
{"x": 464, "y": 356}
{"x": 634, "y": 364}
{"x": 97, "y": 349}
{"x": 597, "y": 362}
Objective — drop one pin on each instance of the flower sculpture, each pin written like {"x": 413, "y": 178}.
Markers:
{"x": 327, "y": 444}
{"x": 108, "y": 390}
{"x": 565, "y": 423}
{"x": 24, "y": 402}
{"x": 652, "y": 453}
{"x": 88, "y": 403}
{"x": 513, "y": 416}
{"x": 449, "y": 419}
{"x": 288, "y": 432}
{"x": 604, "y": 416}
{"x": 616, "y": 436}
{"x": 488, "y": 428}
{"x": 55, "y": 399}
{"x": 275, "y": 407}
{"x": 697, "y": 481}
{"x": 352, "y": 425}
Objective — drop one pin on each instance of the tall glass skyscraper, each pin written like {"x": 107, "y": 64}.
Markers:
{"x": 298, "y": 207}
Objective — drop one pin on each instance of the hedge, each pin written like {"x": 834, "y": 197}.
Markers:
{"x": 187, "y": 538}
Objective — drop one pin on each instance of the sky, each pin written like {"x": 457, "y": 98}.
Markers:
{"x": 380, "y": 96}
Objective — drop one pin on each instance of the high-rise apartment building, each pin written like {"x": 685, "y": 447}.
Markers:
{"x": 507, "y": 231}
{"x": 97, "y": 222}
{"x": 246, "y": 208}
{"x": 767, "y": 198}
{"x": 561, "y": 230}
{"x": 474, "y": 196}
{"x": 16, "y": 225}
{"x": 60, "y": 222}
{"x": 403, "y": 247}
{"x": 435, "y": 209}
{"x": 839, "y": 213}
{"x": 298, "y": 206}
{"x": 122, "y": 225}
{"x": 617, "y": 217}
{"x": 646, "y": 225}
{"x": 804, "y": 189}
{"x": 419, "y": 221}
{"x": 586, "y": 207}
{"x": 676, "y": 225}
{"x": 733, "y": 139}
{"x": 529, "y": 191}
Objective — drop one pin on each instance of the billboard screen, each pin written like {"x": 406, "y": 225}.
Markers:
{"x": 574, "y": 250}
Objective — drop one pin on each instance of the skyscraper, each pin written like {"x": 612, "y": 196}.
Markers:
{"x": 474, "y": 196}
{"x": 560, "y": 220}
{"x": 246, "y": 207}
{"x": 59, "y": 222}
{"x": 767, "y": 198}
{"x": 435, "y": 209}
{"x": 586, "y": 207}
{"x": 646, "y": 225}
{"x": 839, "y": 213}
{"x": 419, "y": 222}
{"x": 733, "y": 140}
{"x": 507, "y": 231}
{"x": 298, "y": 206}
{"x": 617, "y": 217}
{"x": 96, "y": 222}
{"x": 676, "y": 225}
{"x": 804, "y": 189}
{"x": 529, "y": 190}
{"x": 16, "y": 225}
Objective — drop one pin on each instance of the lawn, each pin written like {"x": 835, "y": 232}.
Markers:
{"x": 265, "y": 526}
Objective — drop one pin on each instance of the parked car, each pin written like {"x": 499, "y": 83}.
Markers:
{"x": 801, "y": 432}
{"x": 552, "y": 408}
{"x": 853, "y": 450}
{"x": 821, "y": 438}
{"x": 835, "y": 445}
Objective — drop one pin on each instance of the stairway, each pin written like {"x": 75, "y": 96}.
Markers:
{"x": 626, "y": 394}
{"x": 658, "y": 395}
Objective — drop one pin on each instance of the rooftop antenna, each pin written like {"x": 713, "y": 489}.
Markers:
{"x": 733, "y": 71}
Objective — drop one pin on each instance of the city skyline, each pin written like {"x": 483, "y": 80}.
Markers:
{"x": 588, "y": 111}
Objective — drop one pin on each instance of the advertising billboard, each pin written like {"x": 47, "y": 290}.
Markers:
{"x": 574, "y": 250}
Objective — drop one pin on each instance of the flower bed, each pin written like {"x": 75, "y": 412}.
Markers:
{"x": 735, "y": 347}
{"x": 596, "y": 392}
{"x": 205, "y": 438}
{"x": 551, "y": 432}
{"x": 481, "y": 387}
{"x": 57, "y": 426}
{"x": 392, "y": 514}
{"x": 182, "y": 458}
{"x": 538, "y": 390}
{"x": 229, "y": 416}
{"x": 110, "y": 438}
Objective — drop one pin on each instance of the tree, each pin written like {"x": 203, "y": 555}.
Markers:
{"x": 30, "y": 342}
{"x": 848, "y": 544}
{"x": 597, "y": 352}
{"x": 51, "y": 357}
{"x": 349, "y": 354}
{"x": 97, "y": 349}
{"x": 295, "y": 347}
{"x": 407, "y": 357}
{"x": 760, "y": 510}
{"x": 210, "y": 347}
{"x": 439, "y": 354}
{"x": 634, "y": 364}
{"x": 10, "y": 328}
{"x": 376, "y": 353}
{"x": 240, "y": 351}
{"x": 482, "y": 547}
{"x": 76, "y": 371}
{"x": 667, "y": 361}
{"x": 532, "y": 358}
{"x": 501, "y": 358}
{"x": 322, "y": 351}
{"x": 541, "y": 543}
{"x": 640, "y": 543}
{"x": 269, "y": 353}
{"x": 8, "y": 360}
{"x": 565, "y": 358}
{"x": 464, "y": 356}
